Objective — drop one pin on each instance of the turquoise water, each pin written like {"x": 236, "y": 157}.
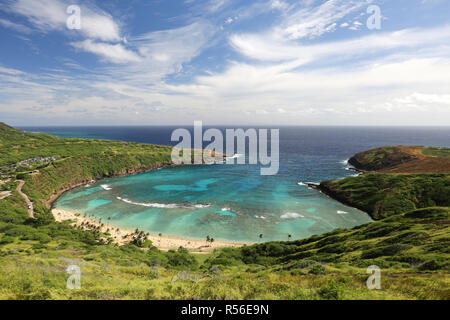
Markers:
{"x": 226, "y": 202}
{"x": 235, "y": 202}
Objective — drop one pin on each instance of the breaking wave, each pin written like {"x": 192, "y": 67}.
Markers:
{"x": 292, "y": 215}
{"x": 165, "y": 205}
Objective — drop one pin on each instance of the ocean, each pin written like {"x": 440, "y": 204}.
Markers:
{"x": 234, "y": 202}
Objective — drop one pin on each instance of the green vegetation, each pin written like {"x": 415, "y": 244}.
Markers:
{"x": 413, "y": 241}
{"x": 410, "y": 245}
{"x": 77, "y": 161}
{"x": 411, "y": 250}
{"x": 383, "y": 195}
{"x": 436, "y": 152}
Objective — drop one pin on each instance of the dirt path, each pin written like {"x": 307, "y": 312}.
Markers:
{"x": 4, "y": 194}
{"x": 27, "y": 200}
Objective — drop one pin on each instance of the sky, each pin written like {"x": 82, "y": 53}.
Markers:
{"x": 225, "y": 62}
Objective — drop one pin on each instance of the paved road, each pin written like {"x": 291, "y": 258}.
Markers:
{"x": 27, "y": 200}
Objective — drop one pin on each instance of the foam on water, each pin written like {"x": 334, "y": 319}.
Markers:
{"x": 164, "y": 205}
{"x": 292, "y": 215}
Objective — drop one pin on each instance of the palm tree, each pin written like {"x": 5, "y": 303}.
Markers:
{"x": 289, "y": 236}
{"x": 261, "y": 236}
{"x": 208, "y": 239}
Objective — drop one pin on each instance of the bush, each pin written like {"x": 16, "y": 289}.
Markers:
{"x": 332, "y": 291}
{"x": 334, "y": 248}
{"x": 181, "y": 259}
{"x": 428, "y": 213}
{"x": 147, "y": 244}
{"x": 317, "y": 269}
{"x": 7, "y": 240}
{"x": 21, "y": 176}
{"x": 432, "y": 265}
{"x": 384, "y": 251}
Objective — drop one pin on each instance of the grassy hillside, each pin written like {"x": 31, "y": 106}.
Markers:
{"x": 382, "y": 195}
{"x": 417, "y": 240}
{"x": 411, "y": 245}
{"x": 15, "y": 138}
{"x": 411, "y": 250}
{"x": 77, "y": 161}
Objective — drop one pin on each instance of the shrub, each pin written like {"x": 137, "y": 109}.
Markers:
{"x": 317, "y": 269}
{"x": 432, "y": 265}
{"x": 21, "y": 176}
{"x": 332, "y": 291}
{"x": 181, "y": 259}
{"x": 384, "y": 251}
{"x": 7, "y": 240}
{"x": 334, "y": 248}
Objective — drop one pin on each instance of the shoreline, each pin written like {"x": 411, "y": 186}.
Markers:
{"x": 324, "y": 190}
{"x": 126, "y": 172}
{"x": 163, "y": 243}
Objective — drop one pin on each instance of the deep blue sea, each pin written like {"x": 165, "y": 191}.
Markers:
{"x": 234, "y": 202}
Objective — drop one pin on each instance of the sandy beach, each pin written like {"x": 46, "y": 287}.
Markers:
{"x": 161, "y": 242}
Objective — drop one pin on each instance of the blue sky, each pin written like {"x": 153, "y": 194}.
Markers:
{"x": 277, "y": 62}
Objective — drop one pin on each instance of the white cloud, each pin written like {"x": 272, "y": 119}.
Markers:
{"x": 229, "y": 20}
{"x": 314, "y": 21}
{"x": 115, "y": 53}
{"x": 101, "y": 32}
{"x": 278, "y": 4}
{"x": 164, "y": 52}
{"x": 423, "y": 98}
{"x": 215, "y": 5}
{"x": 400, "y": 77}
{"x": 356, "y": 25}
{"x": 49, "y": 15}
{"x": 411, "y": 91}
{"x": 15, "y": 26}
{"x": 327, "y": 96}
{"x": 99, "y": 26}
{"x": 10, "y": 71}
{"x": 266, "y": 47}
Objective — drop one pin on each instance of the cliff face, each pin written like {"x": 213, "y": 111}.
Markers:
{"x": 386, "y": 157}
{"x": 403, "y": 160}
